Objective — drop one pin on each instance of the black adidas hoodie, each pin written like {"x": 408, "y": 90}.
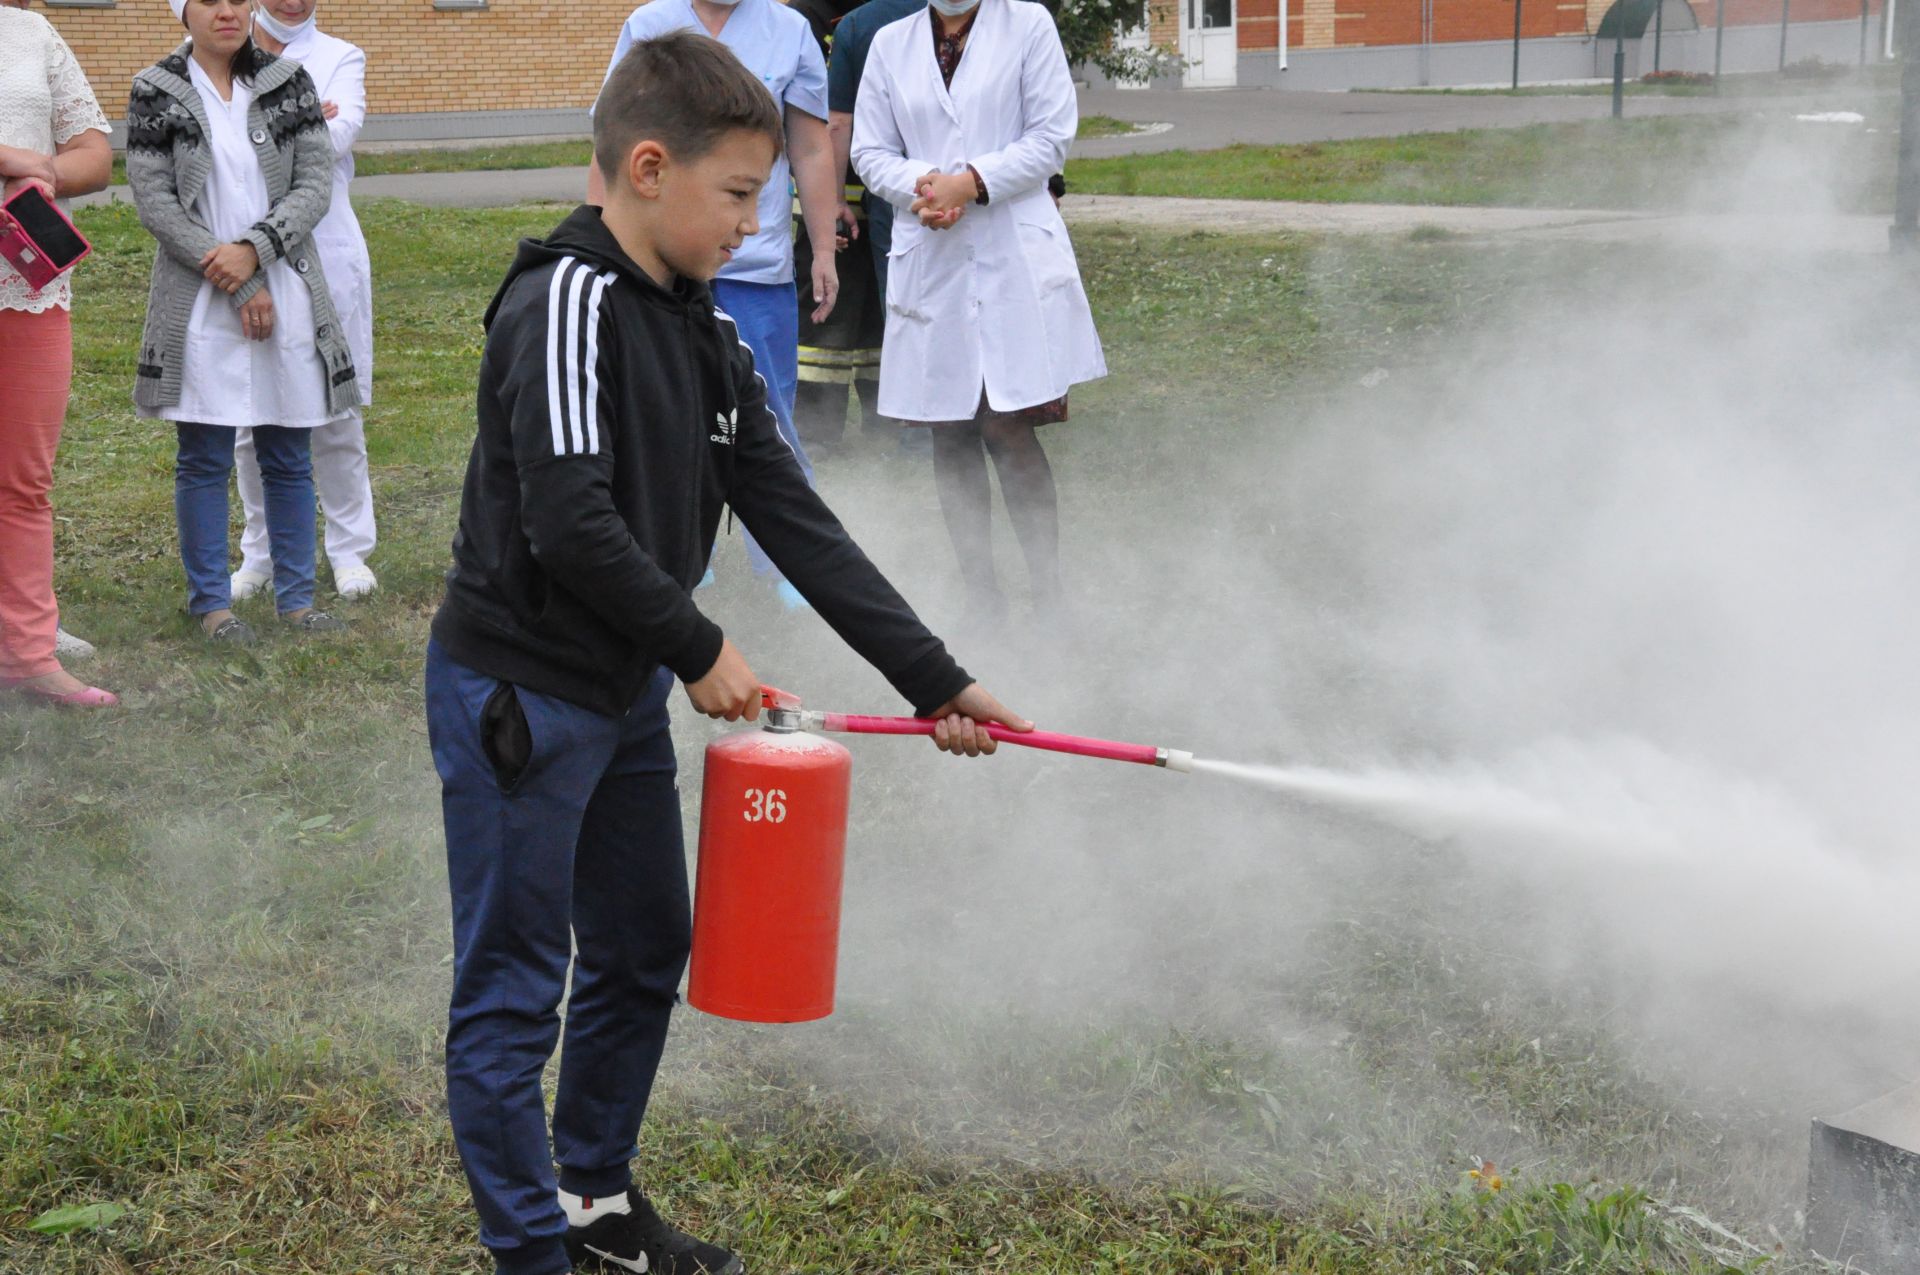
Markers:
{"x": 616, "y": 418}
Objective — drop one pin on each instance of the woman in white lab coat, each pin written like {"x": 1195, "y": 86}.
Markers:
{"x": 338, "y": 69}
{"x": 966, "y": 109}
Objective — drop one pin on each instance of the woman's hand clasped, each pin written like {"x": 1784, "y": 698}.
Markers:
{"x": 229, "y": 266}
{"x": 943, "y": 199}
{"x": 256, "y": 316}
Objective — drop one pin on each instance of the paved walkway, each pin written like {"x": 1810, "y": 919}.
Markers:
{"x": 1755, "y": 231}
{"x": 1208, "y": 119}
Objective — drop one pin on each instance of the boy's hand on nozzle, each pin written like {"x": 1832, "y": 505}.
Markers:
{"x": 729, "y": 690}
{"x": 960, "y": 729}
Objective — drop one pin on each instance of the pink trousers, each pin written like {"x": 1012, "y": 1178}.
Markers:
{"x": 36, "y": 371}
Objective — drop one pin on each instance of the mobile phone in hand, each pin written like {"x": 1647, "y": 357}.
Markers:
{"x": 38, "y": 239}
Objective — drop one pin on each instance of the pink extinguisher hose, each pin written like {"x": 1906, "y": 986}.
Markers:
{"x": 1049, "y": 741}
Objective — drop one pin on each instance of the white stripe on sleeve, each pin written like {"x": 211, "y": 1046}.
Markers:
{"x": 593, "y": 361}
{"x": 554, "y": 418}
{"x": 573, "y": 357}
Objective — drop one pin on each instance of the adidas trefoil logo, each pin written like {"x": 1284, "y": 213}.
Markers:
{"x": 725, "y": 426}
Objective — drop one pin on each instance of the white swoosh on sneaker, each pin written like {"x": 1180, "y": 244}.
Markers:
{"x": 637, "y": 1267}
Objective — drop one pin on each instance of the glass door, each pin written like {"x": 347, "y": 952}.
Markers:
{"x": 1209, "y": 44}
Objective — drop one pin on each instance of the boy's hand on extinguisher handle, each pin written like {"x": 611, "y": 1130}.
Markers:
{"x": 961, "y": 725}
{"x": 729, "y": 689}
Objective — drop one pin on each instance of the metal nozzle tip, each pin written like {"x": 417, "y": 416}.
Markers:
{"x": 782, "y": 721}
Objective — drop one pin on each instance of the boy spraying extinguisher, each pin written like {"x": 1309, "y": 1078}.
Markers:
{"x": 618, "y": 412}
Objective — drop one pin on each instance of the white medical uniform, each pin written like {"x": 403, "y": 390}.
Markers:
{"x": 339, "y": 72}
{"x": 996, "y": 300}
{"x": 776, "y": 44}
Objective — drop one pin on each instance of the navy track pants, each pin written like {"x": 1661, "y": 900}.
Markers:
{"x": 563, "y": 832}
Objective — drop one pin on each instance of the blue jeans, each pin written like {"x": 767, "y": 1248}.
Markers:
{"x": 200, "y": 474}
{"x": 768, "y": 316}
{"x": 563, "y": 841}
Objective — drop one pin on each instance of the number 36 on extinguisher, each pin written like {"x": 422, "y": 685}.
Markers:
{"x": 769, "y": 804}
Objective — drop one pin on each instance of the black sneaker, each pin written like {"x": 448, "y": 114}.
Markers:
{"x": 642, "y": 1241}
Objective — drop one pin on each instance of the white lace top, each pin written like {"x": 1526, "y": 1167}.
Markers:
{"x": 45, "y": 102}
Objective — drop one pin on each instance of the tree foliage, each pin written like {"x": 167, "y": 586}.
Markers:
{"x": 1089, "y": 30}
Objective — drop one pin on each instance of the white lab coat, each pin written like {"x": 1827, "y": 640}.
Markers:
{"x": 339, "y": 72}
{"x": 996, "y": 300}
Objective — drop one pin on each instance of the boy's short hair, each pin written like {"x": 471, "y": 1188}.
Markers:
{"x": 685, "y": 91}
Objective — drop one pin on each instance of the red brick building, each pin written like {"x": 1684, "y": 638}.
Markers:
{"x": 522, "y": 62}
{"x": 422, "y": 55}
{"x": 1403, "y": 43}
{"x": 1316, "y": 24}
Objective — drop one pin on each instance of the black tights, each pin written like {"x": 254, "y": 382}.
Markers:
{"x": 960, "y": 452}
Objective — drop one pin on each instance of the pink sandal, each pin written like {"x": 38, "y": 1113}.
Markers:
{"x": 85, "y": 697}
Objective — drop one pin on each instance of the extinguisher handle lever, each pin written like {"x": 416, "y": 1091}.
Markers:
{"x": 774, "y": 697}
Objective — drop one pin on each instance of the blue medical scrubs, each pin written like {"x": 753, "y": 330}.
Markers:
{"x": 756, "y": 288}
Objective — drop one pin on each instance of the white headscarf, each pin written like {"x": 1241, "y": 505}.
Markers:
{"x": 179, "y": 8}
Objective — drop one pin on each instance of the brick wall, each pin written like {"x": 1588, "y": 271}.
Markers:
{"x": 1398, "y": 22}
{"x": 1327, "y": 24}
{"x": 536, "y": 54}
{"x": 1762, "y": 12}
{"x": 512, "y": 55}
{"x": 1163, "y": 23}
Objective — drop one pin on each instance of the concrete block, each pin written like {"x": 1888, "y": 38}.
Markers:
{"x": 1863, "y": 1186}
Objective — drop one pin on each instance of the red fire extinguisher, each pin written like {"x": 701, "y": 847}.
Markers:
{"x": 773, "y": 840}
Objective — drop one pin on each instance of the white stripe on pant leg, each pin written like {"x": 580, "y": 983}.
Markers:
{"x": 346, "y": 492}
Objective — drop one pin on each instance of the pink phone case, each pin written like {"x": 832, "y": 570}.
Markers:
{"x": 35, "y": 263}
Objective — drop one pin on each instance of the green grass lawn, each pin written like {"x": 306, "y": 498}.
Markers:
{"x": 516, "y": 155}
{"x": 1649, "y": 164}
{"x": 456, "y": 159}
{"x": 224, "y": 931}
{"x": 1104, "y": 126}
{"x": 1802, "y": 80}
{"x": 1638, "y": 164}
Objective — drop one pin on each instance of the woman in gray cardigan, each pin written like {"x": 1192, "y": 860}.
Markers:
{"x": 231, "y": 168}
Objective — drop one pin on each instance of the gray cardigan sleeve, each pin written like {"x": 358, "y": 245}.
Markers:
{"x": 156, "y": 196}
{"x": 294, "y": 215}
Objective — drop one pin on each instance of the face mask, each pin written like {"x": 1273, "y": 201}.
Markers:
{"x": 954, "y": 8}
{"x": 279, "y": 30}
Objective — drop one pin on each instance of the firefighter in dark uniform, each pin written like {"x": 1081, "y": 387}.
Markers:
{"x": 843, "y": 352}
